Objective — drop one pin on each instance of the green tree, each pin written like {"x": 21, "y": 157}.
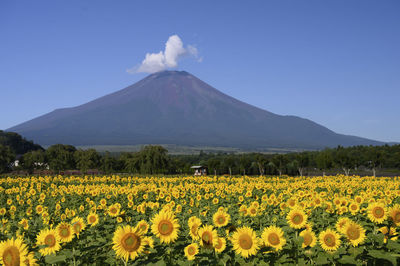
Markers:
{"x": 7, "y": 156}
{"x": 34, "y": 160}
{"x": 87, "y": 159}
{"x": 324, "y": 160}
{"x": 61, "y": 157}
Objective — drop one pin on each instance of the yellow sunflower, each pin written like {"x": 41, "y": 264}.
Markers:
{"x": 296, "y": 218}
{"x": 329, "y": 240}
{"x": 390, "y": 233}
{"x": 13, "y": 252}
{"x": 354, "y": 208}
{"x": 49, "y": 239}
{"x": 143, "y": 226}
{"x": 245, "y": 242}
{"x": 220, "y": 244}
{"x": 221, "y": 218}
{"x": 309, "y": 238}
{"x": 394, "y": 214}
{"x": 30, "y": 260}
{"x": 208, "y": 235}
{"x": 78, "y": 225}
{"x": 165, "y": 226}
{"x": 252, "y": 211}
{"x": 194, "y": 224}
{"x": 355, "y": 233}
{"x": 65, "y": 232}
{"x": 24, "y": 223}
{"x": 92, "y": 219}
{"x": 113, "y": 210}
{"x": 272, "y": 236}
{"x": 128, "y": 242}
{"x": 191, "y": 251}
{"x": 377, "y": 212}
{"x": 341, "y": 224}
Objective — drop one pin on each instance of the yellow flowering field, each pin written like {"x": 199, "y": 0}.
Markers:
{"x": 184, "y": 220}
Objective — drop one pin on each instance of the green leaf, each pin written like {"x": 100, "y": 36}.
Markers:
{"x": 348, "y": 260}
{"x": 52, "y": 259}
{"x": 321, "y": 259}
{"x": 392, "y": 245}
{"x": 378, "y": 254}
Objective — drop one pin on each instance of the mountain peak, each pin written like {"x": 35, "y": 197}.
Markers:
{"x": 175, "y": 107}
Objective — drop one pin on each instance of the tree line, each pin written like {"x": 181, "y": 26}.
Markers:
{"x": 155, "y": 159}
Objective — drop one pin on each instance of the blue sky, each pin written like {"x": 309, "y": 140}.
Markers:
{"x": 334, "y": 62}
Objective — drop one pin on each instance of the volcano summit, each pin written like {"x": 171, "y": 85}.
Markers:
{"x": 175, "y": 107}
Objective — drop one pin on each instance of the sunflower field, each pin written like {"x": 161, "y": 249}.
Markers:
{"x": 184, "y": 220}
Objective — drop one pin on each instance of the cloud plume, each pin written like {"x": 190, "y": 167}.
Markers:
{"x": 174, "y": 50}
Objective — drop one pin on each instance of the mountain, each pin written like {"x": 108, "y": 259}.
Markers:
{"x": 175, "y": 107}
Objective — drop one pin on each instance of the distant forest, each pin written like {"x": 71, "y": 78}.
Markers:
{"x": 153, "y": 160}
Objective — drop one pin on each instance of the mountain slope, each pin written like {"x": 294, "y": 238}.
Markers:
{"x": 174, "y": 107}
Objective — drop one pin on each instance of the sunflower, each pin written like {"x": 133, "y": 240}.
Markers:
{"x": 49, "y": 239}
{"x": 165, "y": 226}
{"x": 30, "y": 259}
{"x": 272, "y": 236}
{"x": 390, "y": 233}
{"x": 355, "y": 233}
{"x": 24, "y": 223}
{"x": 221, "y": 218}
{"x": 394, "y": 214}
{"x": 113, "y": 210}
{"x": 220, "y": 244}
{"x": 329, "y": 240}
{"x": 39, "y": 209}
{"x": 92, "y": 219}
{"x": 341, "y": 224}
{"x": 13, "y": 252}
{"x": 377, "y": 212}
{"x": 65, "y": 232}
{"x": 194, "y": 224}
{"x": 148, "y": 241}
{"x": 243, "y": 210}
{"x": 354, "y": 208}
{"x": 207, "y": 235}
{"x": 78, "y": 225}
{"x": 191, "y": 251}
{"x": 245, "y": 242}
{"x": 252, "y": 211}
{"x": 309, "y": 238}
{"x": 143, "y": 226}
{"x": 296, "y": 218}
{"x": 128, "y": 242}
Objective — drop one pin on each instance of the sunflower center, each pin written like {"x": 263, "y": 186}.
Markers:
{"x": 219, "y": 244}
{"x": 353, "y": 233}
{"x": 329, "y": 240}
{"x": 297, "y": 219}
{"x": 353, "y": 207}
{"x": 253, "y": 211}
{"x": 378, "y": 212}
{"x": 77, "y": 227}
{"x": 273, "y": 239}
{"x": 165, "y": 227}
{"x": 396, "y": 217}
{"x": 221, "y": 219}
{"x": 307, "y": 239}
{"x": 64, "y": 232}
{"x": 92, "y": 219}
{"x": 130, "y": 242}
{"x": 50, "y": 241}
{"x": 207, "y": 237}
{"x": 191, "y": 251}
{"x": 193, "y": 229}
{"x": 245, "y": 242}
{"x": 11, "y": 256}
{"x": 113, "y": 210}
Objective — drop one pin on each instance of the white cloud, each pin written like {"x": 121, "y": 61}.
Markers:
{"x": 174, "y": 50}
